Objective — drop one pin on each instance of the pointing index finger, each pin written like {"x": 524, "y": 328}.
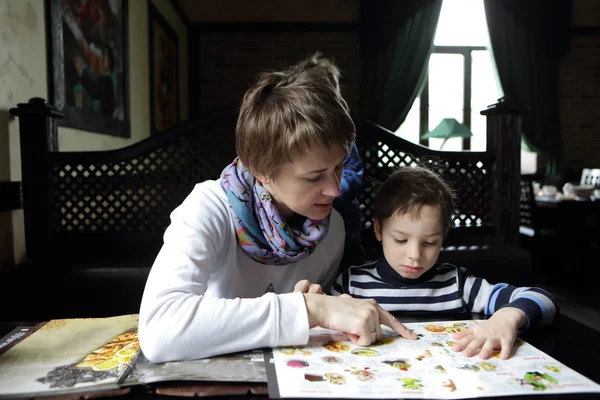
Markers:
{"x": 389, "y": 320}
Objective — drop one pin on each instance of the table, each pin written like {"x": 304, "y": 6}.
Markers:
{"x": 567, "y": 215}
{"x": 567, "y": 340}
{"x": 570, "y": 234}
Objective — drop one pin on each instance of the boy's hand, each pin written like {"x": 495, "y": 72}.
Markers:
{"x": 359, "y": 319}
{"x": 497, "y": 332}
{"x": 304, "y": 286}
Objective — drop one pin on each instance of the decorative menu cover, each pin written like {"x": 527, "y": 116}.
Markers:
{"x": 103, "y": 354}
{"x": 331, "y": 366}
{"x": 70, "y": 355}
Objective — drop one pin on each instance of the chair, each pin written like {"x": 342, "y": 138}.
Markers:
{"x": 590, "y": 176}
{"x": 527, "y": 226}
{"x": 539, "y": 240}
{"x": 100, "y": 216}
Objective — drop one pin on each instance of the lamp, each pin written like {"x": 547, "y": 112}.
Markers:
{"x": 448, "y": 128}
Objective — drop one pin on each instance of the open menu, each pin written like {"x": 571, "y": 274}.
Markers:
{"x": 331, "y": 366}
{"x": 103, "y": 355}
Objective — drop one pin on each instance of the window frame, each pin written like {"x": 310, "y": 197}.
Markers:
{"x": 466, "y": 52}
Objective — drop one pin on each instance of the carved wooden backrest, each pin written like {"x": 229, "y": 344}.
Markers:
{"x": 113, "y": 206}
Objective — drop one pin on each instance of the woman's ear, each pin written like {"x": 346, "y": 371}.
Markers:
{"x": 377, "y": 229}
{"x": 263, "y": 179}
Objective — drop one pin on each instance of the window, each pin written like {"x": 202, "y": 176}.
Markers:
{"x": 461, "y": 81}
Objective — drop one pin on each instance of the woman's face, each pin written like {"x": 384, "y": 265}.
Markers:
{"x": 308, "y": 184}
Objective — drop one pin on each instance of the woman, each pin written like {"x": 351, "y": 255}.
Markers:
{"x": 264, "y": 226}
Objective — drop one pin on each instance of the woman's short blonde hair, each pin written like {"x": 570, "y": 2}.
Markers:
{"x": 287, "y": 113}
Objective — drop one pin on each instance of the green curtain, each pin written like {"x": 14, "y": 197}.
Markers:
{"x": 396, "y": 43}
{"x": 526, "y": 49}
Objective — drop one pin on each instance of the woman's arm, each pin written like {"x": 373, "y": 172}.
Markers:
{"x": 178, "y": 322}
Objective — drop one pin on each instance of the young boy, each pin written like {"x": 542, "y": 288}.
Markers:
{"x": 413, "y": 211}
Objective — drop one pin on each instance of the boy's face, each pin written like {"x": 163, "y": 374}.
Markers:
{"x": 308, "y": 185}
{"x": 411, "y": 244}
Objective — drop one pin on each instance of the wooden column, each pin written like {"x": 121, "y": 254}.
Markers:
{"x": 38, "y": 138}
{"x": 504, "y": 141}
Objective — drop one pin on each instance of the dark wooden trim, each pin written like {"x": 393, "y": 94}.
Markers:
{"x": 10, "y": 196}
{"x": 180, "y": 12}
{"x": 592, "y": 30}
{"x": 275, "y": 27}
{"x": 424, "y": 112}
{"x": 194, "y": 91}
{"x": 468, "y": 78}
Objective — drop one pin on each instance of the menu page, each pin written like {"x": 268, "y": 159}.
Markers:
{"x": 331, "y": 366}
{"x": 70, "y": 356}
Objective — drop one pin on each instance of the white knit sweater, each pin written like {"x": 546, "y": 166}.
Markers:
{"x": 205, "y": 296}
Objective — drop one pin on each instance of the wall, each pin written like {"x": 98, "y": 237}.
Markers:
{"x": 23, "y": 74}
{"x": 237, "y": 39}
{"x": 579, "y": 88}
{"x": 271, "y": 10}
{"x": 224, "y": 75}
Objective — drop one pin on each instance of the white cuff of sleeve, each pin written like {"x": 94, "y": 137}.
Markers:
{"x": 293, "y": 320}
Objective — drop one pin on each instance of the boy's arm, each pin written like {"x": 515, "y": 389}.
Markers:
{"x": 538, "y": 305}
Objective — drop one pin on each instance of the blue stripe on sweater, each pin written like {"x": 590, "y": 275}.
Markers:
{"x": 491, "y": 306}
{"x": 546, "y": 294}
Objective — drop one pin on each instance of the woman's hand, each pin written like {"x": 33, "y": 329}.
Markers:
{"x": 498, "y": 332}
{"x": 359, "y": 319}
{"x": 304, "y": 286}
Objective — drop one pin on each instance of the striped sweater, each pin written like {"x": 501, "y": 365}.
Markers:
{"x": 444, "y": 288}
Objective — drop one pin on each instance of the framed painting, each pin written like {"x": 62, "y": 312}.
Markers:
{"x": 87, "y": 51}
{"x": 164, "y": 72}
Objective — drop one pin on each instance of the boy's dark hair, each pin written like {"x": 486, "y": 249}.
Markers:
{"x": 408, "y": 189}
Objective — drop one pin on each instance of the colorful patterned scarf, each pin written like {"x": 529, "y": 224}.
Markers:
{"x": 261, "y": 232}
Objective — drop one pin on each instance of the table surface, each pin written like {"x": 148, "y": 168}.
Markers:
{"x": 544, "y": 201}
{"x": 568, "y": 341}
